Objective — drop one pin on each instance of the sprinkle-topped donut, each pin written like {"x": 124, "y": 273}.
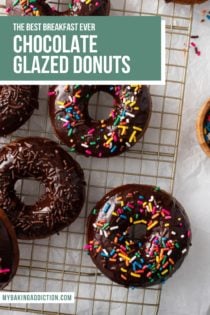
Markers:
{"x": 125, "y": 125}
{"x": 138, "y": 235}
{"x": 47, "y": 162}
{"x": 9, "y": 253}
{"x": 17, "y": 103}
{"x": 75, "y": 7}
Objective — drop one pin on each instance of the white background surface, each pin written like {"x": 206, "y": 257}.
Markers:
{"x": 189, "y": 292}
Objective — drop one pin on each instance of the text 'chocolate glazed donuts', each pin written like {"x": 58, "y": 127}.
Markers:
{"x": 45, "y": 161}
{"x": 138, "y": 235}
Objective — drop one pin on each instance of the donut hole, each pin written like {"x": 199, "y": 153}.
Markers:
{"x": 100, "y": 105}
{"x": 60, "y": 6}
{"x": 29, "y": 190}
{"x": 137, "y": 231}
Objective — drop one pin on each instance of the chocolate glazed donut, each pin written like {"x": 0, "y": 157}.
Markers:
{"x": 76, "y": 8}
{"x": 126, "y": 124}
{"x": 63, "y": 178}
{"x": 138, "y": 235}
{"x": 186, "y": 1}
{"x": 17, "y": 103}
{"x": 9, "y": 252}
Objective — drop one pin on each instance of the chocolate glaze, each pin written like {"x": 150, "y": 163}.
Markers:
{"x": 186, "y": 1}
{"x": 148, "y": 239}
{"x": 41, "y": 7}
{"x": 127, "y": 122}
{"x": 63, "y": 178}
{"x": 17, "y": 103}
{"x": 9, "y": 253}
{"x": 94, "y": 7}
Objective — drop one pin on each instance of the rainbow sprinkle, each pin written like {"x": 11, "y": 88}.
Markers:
{"x": 196, "y": 49}
{"x": 205, "y": 15}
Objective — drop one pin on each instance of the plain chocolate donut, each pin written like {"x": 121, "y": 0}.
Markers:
{"x": 17, "y": 103}
{"x": 9, "y": 252}
{"x": 138, "y": 235}
{"x": 127, "y": 122}
{"x": 45, "y": 161}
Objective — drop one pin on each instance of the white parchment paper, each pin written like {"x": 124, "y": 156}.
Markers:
{"x": 189, "y": 292}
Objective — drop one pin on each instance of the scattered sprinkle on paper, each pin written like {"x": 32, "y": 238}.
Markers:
{"x": 194, "y": 45}
{"x": 205, "y": 15}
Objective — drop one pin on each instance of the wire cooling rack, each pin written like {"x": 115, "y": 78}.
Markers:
{"x": 59, "y": 263}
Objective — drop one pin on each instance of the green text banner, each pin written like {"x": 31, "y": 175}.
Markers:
{"x": 112, "y": 49}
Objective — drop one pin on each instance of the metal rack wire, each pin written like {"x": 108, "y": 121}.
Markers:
{"x": 59, "y": 262}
